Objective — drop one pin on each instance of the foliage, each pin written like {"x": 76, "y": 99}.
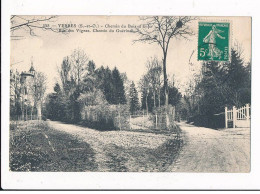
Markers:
{"x": 152, "y": 90}
{"x": 118, "y": 88}
{"x": 83, "y": 85}
{"x": 38, "y": 87}
{"x": 174, "y": 96}
{"x": 161, "y": 30}
{"x": 134, "y": 102}
{"x": 26, "y": 93}
{"x": 105, "y": 117}
{"x": 221, "y": 84}
{"x": 57, "y": 106}
{"x": 15, "y": 94}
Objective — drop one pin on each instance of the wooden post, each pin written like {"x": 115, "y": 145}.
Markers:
{"x": 234, "y": 116}
{"x": 26, "y": 115}
{"x": 143, "y": 119}
{"x": 130, "y": 122}
{"x": 247, "y": 112}
{"x": 226, "y": 118}
{"x": 119, "y": 121}
{"x": 156, "y": 121}
{"x": 31, "y": 113}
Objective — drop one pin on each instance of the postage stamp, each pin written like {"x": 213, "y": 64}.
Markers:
{"x": 213, "y": 41}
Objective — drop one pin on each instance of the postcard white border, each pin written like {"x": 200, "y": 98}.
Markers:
{"x": 35, "y": 180}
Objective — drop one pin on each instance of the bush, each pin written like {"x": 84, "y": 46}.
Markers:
{"x": 105, "y": 117}
{"x": 211, "y": 121}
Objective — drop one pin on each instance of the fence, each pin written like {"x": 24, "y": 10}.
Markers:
{"x": 144, "y": 122}
{"x": 238, "y": 117}
{"x": 23, "y": 117}
{"x": 148, "y": 121}
{"x": 126, "y": 121}
{"x": 110, "y": 117}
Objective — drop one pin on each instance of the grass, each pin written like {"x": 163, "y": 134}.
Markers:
{"x": 36, "y": 147}
{"x": 143, "y": 159}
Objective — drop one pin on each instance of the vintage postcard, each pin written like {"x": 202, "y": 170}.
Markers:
{"x": 130, "y": 94}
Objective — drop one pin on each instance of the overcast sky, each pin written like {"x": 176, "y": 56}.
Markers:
{"x": 116, "y": 49}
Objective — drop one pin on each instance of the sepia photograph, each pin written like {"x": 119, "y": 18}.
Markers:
{"x": 130, "y": 94}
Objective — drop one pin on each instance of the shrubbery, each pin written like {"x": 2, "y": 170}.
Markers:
{"x": 212, "y": 121}
{"x": 220, "y": 85}
{"x": 105, "y": 117}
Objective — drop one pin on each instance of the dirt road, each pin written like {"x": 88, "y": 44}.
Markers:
{"x": 204, "y": 150}
{"x": 208, "y": 150}
{"x": 126, "y": 151}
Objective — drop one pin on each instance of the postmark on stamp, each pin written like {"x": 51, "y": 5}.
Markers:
{"x": 213, "y": 41}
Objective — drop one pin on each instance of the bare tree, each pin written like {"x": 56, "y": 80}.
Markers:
{"x": 37, "y": 89}
{"x": 65, "y": 74}
{"x": 127, "y": 84}
{"x": 30, "y": 24}
{"x": 79, "y": 61}
{"x": 15, "y": 92}
{"x": 154, "y": 73}
{"x": 144, "y": 88}
{"x": 161, "y": 30}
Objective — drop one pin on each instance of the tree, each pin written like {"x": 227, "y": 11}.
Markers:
{"x": 57, "y": 105}
{"x": 30, "y": 24}
{"x": 77, "y": 77}
{"x": 118, "y": 88}
{"x": 133, "y": 95}
{"x": 79, "y": 61}
{"x": 127, "y": 84}
{"x": 65, "y": 74}
{"x": 221, "y": 85}
{"x": 144, "y": 87}
{"x": 107, "y": 85}
{"x": 57, "y": 88}
{"x": 161, "y": 30}
{"x": 174, "y": 95}
{"x": 112, "y": 84}
{"x": 15, "y": 94}
{"x": 92, "y": 98}
{"x": 154, "y": 72}
{"x": 37, "y": 90}
{"x": 91, "y": 67}
{"x": 100, "y": 74}
{"x": 90, "y": 78}
{"x": 238, "y": 79}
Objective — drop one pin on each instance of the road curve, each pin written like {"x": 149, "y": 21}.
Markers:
{"x": 209, "y": 150}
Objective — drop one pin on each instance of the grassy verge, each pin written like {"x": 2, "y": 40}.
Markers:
{"x": 140, "y": 159}
{"x": 37, "y": 147}
{"x": 34, "y": 146}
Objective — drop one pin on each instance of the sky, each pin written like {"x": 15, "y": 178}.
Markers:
{"x": 48, "y": 49}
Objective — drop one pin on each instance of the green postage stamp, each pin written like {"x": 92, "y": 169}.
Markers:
{"x": 213, "y": 41}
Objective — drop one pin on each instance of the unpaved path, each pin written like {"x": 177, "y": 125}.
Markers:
{"x": 117, "y": 151}
{"x": 208, "y": 150}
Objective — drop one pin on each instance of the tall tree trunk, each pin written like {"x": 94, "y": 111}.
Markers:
{"x": 165, "y": 84}
{"x": 154, "y": 100}
{"x": 22, "y": 107}
{"x": 146, "y": 104}
{"x": 165, "y": 80}
{"x": 39, "y": 111}
{"x": 159, "y": 97}
{"x": 31, "y": 112}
